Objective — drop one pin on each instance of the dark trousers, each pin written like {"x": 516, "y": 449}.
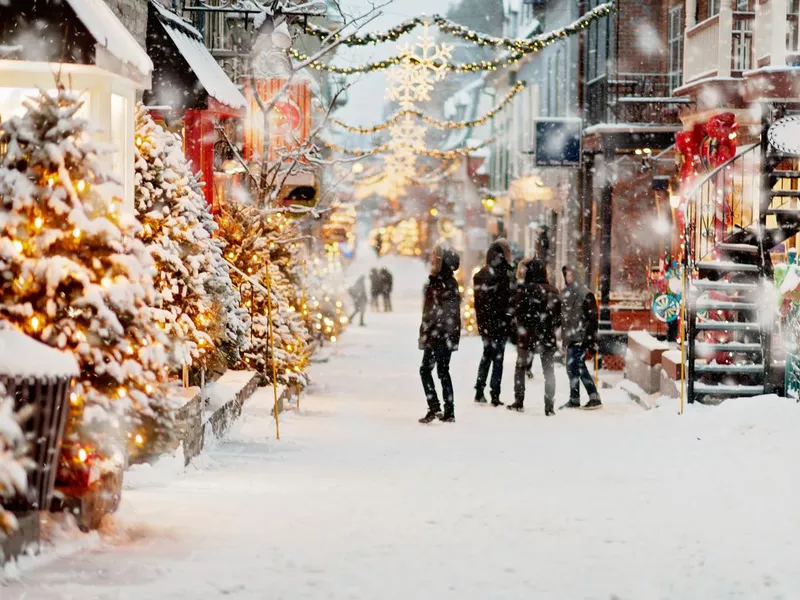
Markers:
{"x": 439, "y": 358}
{"x": 359, "y": 309}
{"x": 387, "y": 303}
{"x": 577, "y": 373}
{"x": 494, "y": 349}
{"x": 375, "y": 297}
{"x": 524, "y": 362}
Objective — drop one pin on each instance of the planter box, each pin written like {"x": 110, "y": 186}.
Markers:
{"x": 646, "y": 348}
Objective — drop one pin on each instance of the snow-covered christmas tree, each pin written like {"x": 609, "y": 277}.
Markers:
{"x": 252, "y": 238}
{"x": 76, "y": 277}
{"x": 195, "y": 298}
{"x": 13, "y": 464}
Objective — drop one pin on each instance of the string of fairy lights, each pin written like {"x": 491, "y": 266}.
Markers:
{"x": 515, "y": 48}
{"x": 431, "y": 121}
{"x": 433, "y": 153}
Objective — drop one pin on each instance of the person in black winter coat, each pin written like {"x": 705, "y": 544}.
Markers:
{"x": 579, "y": 335}
{"x": 358, "y": 292}
{"x": 440, "y": 332}
{"x": 538, "y": 316}
{"x": 386, "y": 284}
{"x": 493, "y": 285}
{"x": 375, "y": 287}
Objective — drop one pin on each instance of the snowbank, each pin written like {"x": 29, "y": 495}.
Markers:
{"x": 22, "y": 356}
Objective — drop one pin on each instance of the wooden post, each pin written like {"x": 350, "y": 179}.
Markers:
{"x": 298, "y": 395}
{"x": 683, "y": 336}
{"x": 185, "y": 376}
{"x": 272, "y": 357}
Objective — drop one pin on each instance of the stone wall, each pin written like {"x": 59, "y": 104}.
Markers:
{"x": 133, "y": 14}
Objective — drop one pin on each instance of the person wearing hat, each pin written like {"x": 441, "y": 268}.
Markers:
{"x": 493, "y": 285}
{"x": 579, "y": 335}
{"x": 538, "y": 316}
{"x": 440, "y": 332}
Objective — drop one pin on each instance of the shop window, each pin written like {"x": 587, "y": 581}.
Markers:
{"x": 12, "y": 102}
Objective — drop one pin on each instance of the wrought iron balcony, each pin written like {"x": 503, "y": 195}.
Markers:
{"x": 635, "y": 98}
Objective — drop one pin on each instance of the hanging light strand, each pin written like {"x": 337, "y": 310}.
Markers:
{"x": 449, "y": 154}
{"x": 450, "y": 27}
{"x": 516, "y": 49}
{"x": 433, "y": 122}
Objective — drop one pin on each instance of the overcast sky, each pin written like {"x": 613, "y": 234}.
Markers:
{"x": 365, "y": 106}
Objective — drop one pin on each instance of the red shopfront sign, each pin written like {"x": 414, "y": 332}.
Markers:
{"x": 289, "y": 120}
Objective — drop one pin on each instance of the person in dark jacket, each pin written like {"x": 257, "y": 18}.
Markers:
{"x": 538, "y": 315}
{"x": 493, "y": 286}
{"x": 386, "y": 284}
{"x": 358, "y": 292}
{"x": 578, "y": 336}
{"x": 375, "y": 288}
{"x": 440, "y": 332}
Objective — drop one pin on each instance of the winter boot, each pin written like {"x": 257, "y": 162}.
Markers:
{"x": 449, "y": 415}
{"x": 529, "y": 374}
{"x": 593, "y": 403}
{"x": 479, "y": 397}
{"x": 430, "y": 416}
{"x": 517, "y": 406}
{"x": 571, "y": 404}
{"x": 496, "y": 401}
{"x": 548, "y": 408}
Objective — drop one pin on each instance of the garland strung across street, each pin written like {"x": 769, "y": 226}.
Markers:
{"x": 446, "y": 26}
{"x": 433, "y": 122}
{"x": 516, "y": 48}
{"x": 446, "y": 154}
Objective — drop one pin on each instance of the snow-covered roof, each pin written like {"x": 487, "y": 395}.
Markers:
{"x": 189, "y": 43}
{"x": 22, "y": 356}
{"x": 109, "y": 32}
{"x": 463, "y": 97}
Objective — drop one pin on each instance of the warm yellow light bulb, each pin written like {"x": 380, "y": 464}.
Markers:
{"x": 17, "y": 245}
{"x": 35, "y": 323}
{"x": 38, "y": 222}
{"x": 105, "y": 282}
{"x": 82, "y": 455}
{"x": 139, "y": 439}
{"x": 76, "y": 233}
{"x": 122, "y": 392}
{"x": 148, "y": 388}
{"x": 73, "y": 398}
{"x": 80, "y": 186}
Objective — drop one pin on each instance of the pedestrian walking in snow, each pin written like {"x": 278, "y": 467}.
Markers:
{"x": 378, "y": 245}
{"x": 493, "y": 306}
{"x": 578, "y": 336}
{"x": 358, "y": 292}
{"x": 375, "y": 288}
{"x": 519, "y": 279}
{"x": 440, "y": 332}
{"x": 538, "y": 315}
{"x": 386, "y": 284}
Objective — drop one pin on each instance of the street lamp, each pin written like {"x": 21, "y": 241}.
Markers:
{"x": 489, "y": 203}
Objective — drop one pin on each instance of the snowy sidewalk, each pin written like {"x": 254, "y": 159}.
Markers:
{"x": 360, "y": 501}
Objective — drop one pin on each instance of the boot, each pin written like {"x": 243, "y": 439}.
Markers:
{"x": 449, "y": 415}
{"x": 517, "y": 406}
{"x": 593, "y": 403}
{"x": 571, "y": 404}
{"x": 496, "y": 401}
{"x": 479, "y": 397}
{"x": 430, "y": 416}
{"x": 548, "y": 408}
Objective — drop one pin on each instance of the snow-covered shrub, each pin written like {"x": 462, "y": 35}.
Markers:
{"x": 76, "y": 277}
{"x": 259, "y": 244}
{"x": 13, "y": 463}
{"x": 195, "y": 300}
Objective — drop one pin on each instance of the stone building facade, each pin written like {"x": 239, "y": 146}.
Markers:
{"x": 133, "y": 14}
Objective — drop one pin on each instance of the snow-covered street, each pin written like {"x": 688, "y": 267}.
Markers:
{"x": 360, "y": 501}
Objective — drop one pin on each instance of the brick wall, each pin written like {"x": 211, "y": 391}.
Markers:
{"x": 642, "y": 35}
{"x": 133, "y": 14}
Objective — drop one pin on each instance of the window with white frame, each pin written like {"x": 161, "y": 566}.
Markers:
{"x": 675, "y": 44}
{"x": 713, "y": 7}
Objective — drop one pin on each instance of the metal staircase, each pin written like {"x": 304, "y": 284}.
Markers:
{"x": 735, "y": 216}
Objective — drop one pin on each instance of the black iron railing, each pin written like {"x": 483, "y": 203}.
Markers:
{"x": 724, "y": 207}
{"x": 636, "y": 98}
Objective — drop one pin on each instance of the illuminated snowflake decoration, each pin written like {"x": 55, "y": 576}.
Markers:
{"x": 427, "y": 55}
{"x": 423, "y": 63}
{"x": 407, "y": 132}
{"x": 408, "y": 84}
